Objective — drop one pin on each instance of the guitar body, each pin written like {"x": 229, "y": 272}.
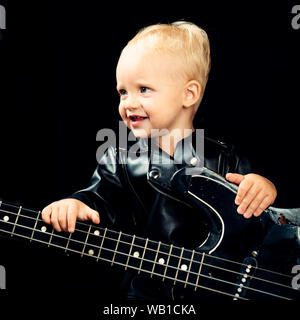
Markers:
{"x": 256, "y": 243}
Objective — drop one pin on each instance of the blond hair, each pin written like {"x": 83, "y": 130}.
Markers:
{"x": 183, "y": 39}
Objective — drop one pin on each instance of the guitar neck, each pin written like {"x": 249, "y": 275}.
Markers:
{"x": 156, "y": 259}
{"x": 172, "y": 264}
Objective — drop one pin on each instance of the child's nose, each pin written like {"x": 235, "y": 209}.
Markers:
{"x": 132, "y": 103}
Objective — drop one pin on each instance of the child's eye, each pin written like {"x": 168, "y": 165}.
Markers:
{"x": 122, "y": 92}
{"x": 145, "y": 89}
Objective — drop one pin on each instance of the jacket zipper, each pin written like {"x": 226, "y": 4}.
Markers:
{"x": 132, "y": 188}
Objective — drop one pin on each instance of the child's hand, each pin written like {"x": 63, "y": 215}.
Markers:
{"x": 62, "y": 214}
{"x": 255, "y": 193}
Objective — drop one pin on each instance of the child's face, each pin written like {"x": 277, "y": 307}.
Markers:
{"x": 151, "y": 93}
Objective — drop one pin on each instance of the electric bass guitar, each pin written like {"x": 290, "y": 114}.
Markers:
{"x": 241, "y": 259}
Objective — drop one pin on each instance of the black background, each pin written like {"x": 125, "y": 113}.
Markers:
{"x": 57, "y": 89}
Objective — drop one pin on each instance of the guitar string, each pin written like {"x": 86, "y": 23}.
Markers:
{"x": 133, "y": 267}
{"x": 172, "y": 255}
{"x": 189, "y": 250}
{"x": 114, "y": 251}
{"x": 151, "y": 272}
{"x": 176, "y": 268}
{"x": 213, "y": 266}
{"x": 219, "y": 258}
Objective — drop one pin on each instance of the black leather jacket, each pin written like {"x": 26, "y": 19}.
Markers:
{"x": 134, "y": 194}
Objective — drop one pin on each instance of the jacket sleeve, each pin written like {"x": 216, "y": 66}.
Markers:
{"x": 239, "y": 162}
{"x": 222, "y": 158}
{"x": 106, "y": 191}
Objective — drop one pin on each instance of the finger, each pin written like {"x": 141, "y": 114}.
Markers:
{"x": 243, "y": 189}
{"x": 46, "y": 213}
{"x": 62, "y": 217}
{"x": 235, "y": 177}
{"x": 71, "y": 219}
{"x": 249, "y": 193}
{"x": 254, "y": 205}
{"x": 94, "y": 216}
{"x": 262, "y": 206}
{"x": 54, "y": 219}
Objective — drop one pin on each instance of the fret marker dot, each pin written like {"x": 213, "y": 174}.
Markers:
{"x": 161, "y": 261}
{"x": 184, "y": 267}
{"x": 91, "y": 252}
{"x": 6, "y": 218}
{"x": 136, "y": 254}
{"x": 43, "y": 229}
{"x": 97, "y": 233}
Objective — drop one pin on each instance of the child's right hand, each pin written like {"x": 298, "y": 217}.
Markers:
{"x": 63, "y": 214}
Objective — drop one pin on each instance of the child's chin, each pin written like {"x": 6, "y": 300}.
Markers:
{"x": 140, "y": 133}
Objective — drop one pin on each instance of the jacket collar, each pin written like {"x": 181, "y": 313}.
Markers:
{"x": 188, "y": 152}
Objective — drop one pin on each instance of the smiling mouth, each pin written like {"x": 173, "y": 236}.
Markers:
{"x": 136, "y": 121}
{"x": 137, "y": 118}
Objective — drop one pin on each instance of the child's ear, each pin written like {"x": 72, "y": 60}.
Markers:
{"x": 192, "y": 92}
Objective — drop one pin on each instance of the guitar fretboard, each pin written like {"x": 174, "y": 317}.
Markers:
{"x": 143, "y": 255}
{"x": 177, "y": 265}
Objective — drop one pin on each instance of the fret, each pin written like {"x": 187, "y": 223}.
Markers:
{"x": 173, "y": 262}
{"x": 184, "y": 266}
{"x": 92, "y": 245}
{"x": 34, "y": 227}
{"x": 169, "y": 255}
{"x": 42, "y": 232}
{"x": 51, "y": 236}
{"x": 25, "y": 223}
{"x": 78, "y": 242}
{"x": 101, "y": 245}
{"x": 143, "y": 256}
{"x": 194, "y": 268}
{"x": 199, "y": 272}
{"x": 159, "y": 256}
{"x": 155, "y": 259}
{"x": 124, "y": 246}
{"x": 189, "y": 269}
{"x": 7, "y": 218}
{"x": 67, "y": 245}
{"x": 148, "y": 256}
{"x": 131, "y": 246}
{"x": 55, "y": 238}
{"x": 87, "y": 236}
{"x": 108, "y": 245}
{"x": 136, "y": 253}
{"x": 116, "y": 248}
{"x": 178, "y": 266}
{"x": 16, "y": 221}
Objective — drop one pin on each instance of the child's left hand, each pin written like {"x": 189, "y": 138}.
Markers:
{"x": 255, "y": 193}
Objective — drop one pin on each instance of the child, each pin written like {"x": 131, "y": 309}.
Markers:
{"x": 161, "y": 76}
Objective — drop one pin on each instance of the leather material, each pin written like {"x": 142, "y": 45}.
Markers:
{"x": 132, "y": 192}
